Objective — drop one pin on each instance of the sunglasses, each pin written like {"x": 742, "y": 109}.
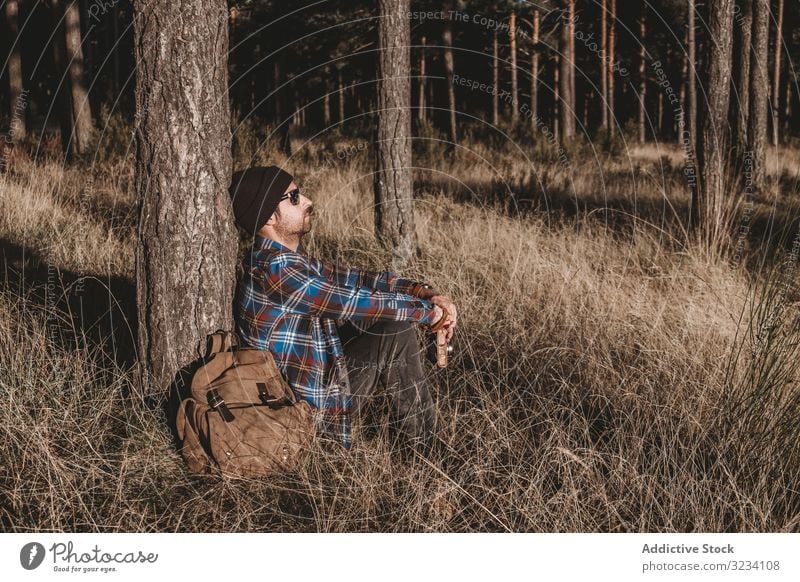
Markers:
{"x": 294, "y": 195}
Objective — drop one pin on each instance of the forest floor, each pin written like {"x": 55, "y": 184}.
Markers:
{"x": 607, "y": 376}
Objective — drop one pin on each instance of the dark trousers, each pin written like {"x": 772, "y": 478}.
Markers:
{"x": 385, "y": 359}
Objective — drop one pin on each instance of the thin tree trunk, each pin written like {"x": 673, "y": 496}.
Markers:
{"x": 59, "y": 65}
{"x": 684, "y": 84}
{"x": 422, "y": 81}
{"x": 759, "y": 94}
{"x": 535, "y": 69}
{"x": 713, "y": 207}
{"x": 743, "y": 29}
{"x": 642, "y": 73}
{"x": 16, "y": 88}
{"x": 612, "y": 47}
{"x": 187, "y": 247}
{"x": 692, "y": 122}
{"x": 603, "y": 64}
{"x": 776, "y": 76}
{"x": 341, "y": 95}
{"x": 79, "y": 97}
{"x": 284, "y": 125}
{"x": 326, "y": 100}
{"x": 565, "y": 62}
{"x": 394, "y": 209}
{"x": 116, "y": 45}
{"x": 495, "y": 80}
{"x": 512, "y": 37}
{"x": 449, "y": 65}
{"x": 573, "y": 97}
{"x": 787, "y": 113}
{"x": 586, "y": 97}
{"x": 557, "y": 103}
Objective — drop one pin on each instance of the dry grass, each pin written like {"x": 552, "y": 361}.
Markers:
{"x": 591, "y": 387}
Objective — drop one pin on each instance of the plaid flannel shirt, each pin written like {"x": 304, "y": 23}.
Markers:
{"x": 289, "y": 303}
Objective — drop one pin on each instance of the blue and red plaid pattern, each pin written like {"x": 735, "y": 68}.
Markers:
{"x": 288, "y": 302}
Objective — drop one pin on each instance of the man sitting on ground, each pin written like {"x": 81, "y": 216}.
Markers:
{"x": 340, "y": 335}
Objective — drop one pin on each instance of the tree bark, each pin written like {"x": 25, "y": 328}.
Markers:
{"x": 512, "y": 37}
{"x": 692, "y": 82}
{"x": 61, "y": 94}
{"x": 535, "y": 69}
{"x": 283, "y": 120}
{"x": 557, "y": 102}
{"x": 341, "y": 95}
{"x": 449, "y": 65}
{"x": 612, "y": 47}
{"x": 185, "y": 259}
{"x": 326, "y": 99}
{"x": 776, "y": 77}
{"x": 393, "y": 188}
{"x": 79, "y": 97}
{"x": 642, "y": 73}
{"x": 566, "y": 112}
{"x": 495, "y": 80}
{"x": 16, "y": 88}
{"x": 712, "y": 205}
{"x": 573, "y": 96}
{"x": 743, "y": 29}
{"x": 787, "y": 112}
{"x": 759, "y": 94}
{"x": 604, "y": 64}
{"x": 421, "y": 114}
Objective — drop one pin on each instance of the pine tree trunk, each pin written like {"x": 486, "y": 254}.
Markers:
{"x": 115, "y": 37}
{"x": 281, "y": 110}
{"x": 573, "y": 96}
{"x": 495, "y": 80}
{"x": 712, "y": 208}
{"x": 566, "y": 112}
{"x": 692, "y": 122}
{"x": 449, "y": 65}
{"x": 393, "y": 188}
{"x": 62, "y": 100}
{"x": 677, "y": 129}
{"x": 185, "y": 259}
{"x": 340, "y": 82}
{"x": 326, "y": 99}
{"x": 603, "y": 64}
{"x": 535, "y": 69}
{"x": 787, "y": 112}
{"x": 743, "y": 31}
{"x": 512, "y": 37}
{"x": 759, "y": 93}
{"x": 18, "y": 129}
{"x": 776, "y": 76}
{"x": 642, "y": 73}
{"x": 612, "y": 47}
{"x": 79, "y": 97}
{"x": 422, "y": 82}
{"x": 558, "y": 105}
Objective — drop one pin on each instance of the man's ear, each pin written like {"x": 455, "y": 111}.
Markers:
{"x": 272, "y": 219}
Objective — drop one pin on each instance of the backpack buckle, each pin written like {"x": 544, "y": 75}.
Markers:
{"x": 273, "y": 403}
{"x": 216, "y": 402}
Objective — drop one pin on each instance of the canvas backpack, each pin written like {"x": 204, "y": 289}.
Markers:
{"x": 241, "y": 416}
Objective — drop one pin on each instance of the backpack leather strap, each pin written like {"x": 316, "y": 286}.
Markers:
{"x": 219, "y": 341}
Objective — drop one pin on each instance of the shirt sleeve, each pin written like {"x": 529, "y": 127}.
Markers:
{"x": 292, "y": 281}
{"x": 385, "y": 281}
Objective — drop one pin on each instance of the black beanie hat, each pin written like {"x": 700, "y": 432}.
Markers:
{"x": 256, "y": 193}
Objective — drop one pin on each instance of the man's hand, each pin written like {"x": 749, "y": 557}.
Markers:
{"x": 444, "y": 302}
